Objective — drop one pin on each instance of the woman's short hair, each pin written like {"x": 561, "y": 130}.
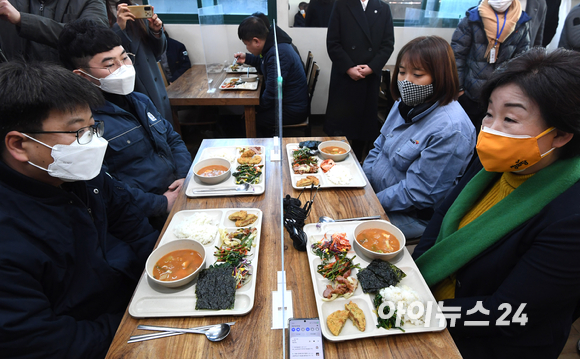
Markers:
{"x": 552, "y": 81}
{"x": 434, "y": 55}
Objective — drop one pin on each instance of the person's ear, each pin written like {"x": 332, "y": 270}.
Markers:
{"x": 561, "y": 138}
{"x": 17, "y": 146}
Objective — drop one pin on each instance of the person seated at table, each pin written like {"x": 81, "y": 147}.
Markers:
{"x": 74, "y": 242}
{"x": 503, "y": 247}
{"x": 144, "y": 151}
{"x": 175, "y": 60}
{"x": 427, "y": 140}
{"x": 259, "y": 41}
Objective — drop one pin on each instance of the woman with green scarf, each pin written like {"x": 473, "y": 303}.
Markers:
{"x": 504, "y": 246}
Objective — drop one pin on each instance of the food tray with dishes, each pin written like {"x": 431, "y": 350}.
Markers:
{"x": 240, "y": 69}
{"x": 236, "y": 83}
{"x": 243, "y": 169}
{"x": 307, "y": 169}
{"x": 212, "y": 228}
{"x": 347, "y": 302}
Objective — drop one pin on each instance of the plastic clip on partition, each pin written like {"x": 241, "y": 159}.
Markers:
{"x": 295, "y": 215}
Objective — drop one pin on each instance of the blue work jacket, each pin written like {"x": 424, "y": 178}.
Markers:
{"x": 144, "y": 152}
{"x": 70, "y": 260}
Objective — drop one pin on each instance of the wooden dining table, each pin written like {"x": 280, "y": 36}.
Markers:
{"x": 191, "y": 89}
{"x": 252, "y": 336}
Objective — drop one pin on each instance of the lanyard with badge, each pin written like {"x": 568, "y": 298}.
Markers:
{"x": 492, "y": 54}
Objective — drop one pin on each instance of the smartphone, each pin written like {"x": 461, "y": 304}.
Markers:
{"x": 141, "y": 11}
{"x": 305, "y": 338}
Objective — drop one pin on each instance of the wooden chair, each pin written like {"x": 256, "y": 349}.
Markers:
{"x": 308, "y": 66}
{"x": 311, "y": 86}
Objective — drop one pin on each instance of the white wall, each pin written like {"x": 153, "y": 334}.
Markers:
{"x": 306, "y": 39}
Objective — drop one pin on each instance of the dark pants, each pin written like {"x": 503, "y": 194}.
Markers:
{"x": 267, "y": 120}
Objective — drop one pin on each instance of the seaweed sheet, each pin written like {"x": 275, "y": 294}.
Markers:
{"x": 216, "y": 288}
{"x": 379, "y": 274}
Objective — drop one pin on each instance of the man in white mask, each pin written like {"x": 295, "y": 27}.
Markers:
{"x": 144, "y": 151}
{"x": 73, "y": 241}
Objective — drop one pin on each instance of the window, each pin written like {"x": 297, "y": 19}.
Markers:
{"x": 185, "y": 11}
{"x": 429, "y": 13}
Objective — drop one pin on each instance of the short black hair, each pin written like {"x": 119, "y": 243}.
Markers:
{"x": 262, "y": 17}
{"x": 552, "y": 81}
{"x": 82, "y": 39}
{"x": 30, "y": 91}
{"x": 303, "y": 5}
{"x": 251, "y": 27}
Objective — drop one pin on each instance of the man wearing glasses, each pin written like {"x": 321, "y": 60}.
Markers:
{"x": 144, "y": 151}
{"x": 73, "y": 242}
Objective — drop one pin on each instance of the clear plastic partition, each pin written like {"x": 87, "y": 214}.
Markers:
{"x": 214, "y": 39}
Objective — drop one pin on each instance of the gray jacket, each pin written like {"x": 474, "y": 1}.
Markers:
{"x": 41, "y": 23}
{"x": 148, "y": 78}
{"x": 469, "y": 43}
{"x": 536, "y": 10}
{"x": 570, "y": 38}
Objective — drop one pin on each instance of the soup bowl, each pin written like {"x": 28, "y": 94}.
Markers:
{"x": 335, "y": 157}
{"x": 249, "y": 78}
{"x": 383, "y": 225}
{"x": 167, "y": 248}
{"x": 212, "y": 162}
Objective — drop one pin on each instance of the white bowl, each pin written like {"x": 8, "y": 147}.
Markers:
{"x": 169, "y": 247}
{"x": 380, "y": 224}
{"x": 250, "y": 78}
{"x": 335, "y": 158}
{"x": 212, "y": 162}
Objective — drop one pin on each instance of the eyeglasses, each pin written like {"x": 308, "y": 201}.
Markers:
{"x": 84, "y": 134}
{"x": 114, "y": 64}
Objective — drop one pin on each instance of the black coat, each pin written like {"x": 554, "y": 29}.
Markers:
{"x": 299, "y": 20}
{"x": 357, "y": 37}
{"x": 177, "y": 58}
{"x": 536, "y": 263}
{"x": 318, "y": 13}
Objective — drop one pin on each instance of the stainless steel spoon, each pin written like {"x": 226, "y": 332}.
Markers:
{"x": 214, "y": 333}
{"x": 244, "y": 187}
{"x": 325, "y": 219}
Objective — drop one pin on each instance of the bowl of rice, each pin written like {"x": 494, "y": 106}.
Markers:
{"x": 334, "y": 150}
{"x": 383, "y": 234}
{"x": 212, "y": 170}
{"x": 162, "y": 251}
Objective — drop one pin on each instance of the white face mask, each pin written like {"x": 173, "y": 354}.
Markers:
{"x": 75, "y": 162}
{"x": 120, "y": 82}
{"x": 500, "y": 5}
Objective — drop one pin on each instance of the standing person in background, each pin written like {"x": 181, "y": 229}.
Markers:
{"x": 552, "y": 18}
{"x": 536, "y": 10}
{"x": 175, "y": 60}
{"x": 145, "y": 39}
{"x": 318, "y": 14}
{"x": 427, "y": 140}
{"x": 299, "y": 20}
{"x": 359, "y": 41}
{"x": 570, "y": 38}
{"x": 489, "y": 35}
{"x": 30, "y": 29}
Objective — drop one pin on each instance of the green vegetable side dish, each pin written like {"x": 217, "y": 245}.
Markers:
{"x": 302, "y": 156}
{"x": 342, "y": 264}
{"x": 386, "y": 323}
{"x": 248, "y": 174}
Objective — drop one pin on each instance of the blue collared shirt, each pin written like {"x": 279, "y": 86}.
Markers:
{"x": 413, "y": 165}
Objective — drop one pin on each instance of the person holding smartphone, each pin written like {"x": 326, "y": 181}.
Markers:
{"x": 145, "y": 38}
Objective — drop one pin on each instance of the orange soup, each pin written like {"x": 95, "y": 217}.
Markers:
{"x": 177, "y": 264}
{"x": 378, "y": 240}
{"x": 212, "y": 171}
{"x": 333, "y": 150}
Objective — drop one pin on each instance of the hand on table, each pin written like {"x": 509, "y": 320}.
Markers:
{"x": 9, "y": 13}
{"x": 355, "y": 73}
{"x": 172, "y": 192}
{"x": 240, "y": 57}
